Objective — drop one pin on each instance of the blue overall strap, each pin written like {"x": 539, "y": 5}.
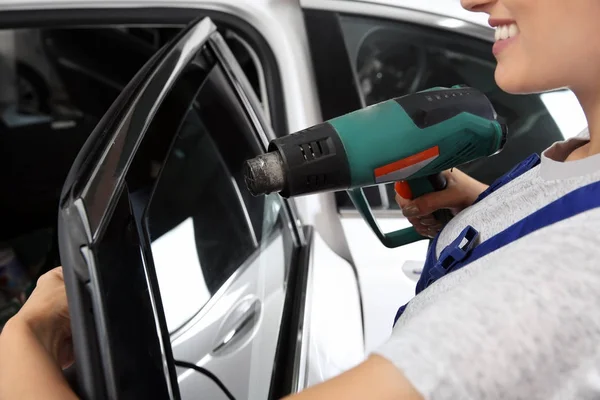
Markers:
{"x": 429, "y": 264}
{"x": 576, "y": 202}
{"x": 469, "y": 234}
{"x": 461, "y": 247}
{"x": 524, "y": 166}
{"x": 452, "y": 254}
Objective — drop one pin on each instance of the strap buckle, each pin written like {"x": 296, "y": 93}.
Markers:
{"x": 456, "y": 252}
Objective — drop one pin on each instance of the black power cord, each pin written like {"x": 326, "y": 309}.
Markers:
{"x": 204, "y": 371}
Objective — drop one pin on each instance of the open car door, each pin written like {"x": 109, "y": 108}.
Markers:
{"x": 121, "y": 337}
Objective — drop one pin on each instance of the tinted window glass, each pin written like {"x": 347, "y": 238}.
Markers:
{"x": 187, "y": 184}
{"x": 198, "y": 194}
{"x": 201, "y": 221}
{"x": 394, "y": 59}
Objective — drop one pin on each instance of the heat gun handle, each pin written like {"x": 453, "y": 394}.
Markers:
{"x": 415, "y": 188}
{"x": 391, "y": 239}
{"x": 430, "y": 184}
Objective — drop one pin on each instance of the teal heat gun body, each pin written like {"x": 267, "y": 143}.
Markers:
{"x": 410, "y": 139}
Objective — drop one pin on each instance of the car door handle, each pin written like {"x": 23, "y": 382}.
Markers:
{"x": 238, "y": 326}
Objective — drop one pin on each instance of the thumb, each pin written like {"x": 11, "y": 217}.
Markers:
{"x": 402, "y": 202}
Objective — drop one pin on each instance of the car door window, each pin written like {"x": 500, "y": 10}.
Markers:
{"x": 392, "y": 59}
{"x": 202, "y": 222}
{"x": 154, "y": 226}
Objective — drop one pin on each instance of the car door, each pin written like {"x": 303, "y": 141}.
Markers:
{"x": 179, "y": 282}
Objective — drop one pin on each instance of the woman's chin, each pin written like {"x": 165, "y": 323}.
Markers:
{"x": 517, "y": 82}
{"x": 511, "y": 84}
{"x": 507, "y": 81}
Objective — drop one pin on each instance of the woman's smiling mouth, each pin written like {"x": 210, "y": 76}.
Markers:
{"x": 506, "y": 32}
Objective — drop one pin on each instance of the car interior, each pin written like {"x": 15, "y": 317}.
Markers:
{"x": 50, "y": 116}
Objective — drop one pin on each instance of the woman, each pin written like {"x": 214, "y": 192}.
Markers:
{"x": 521, "y": 318}
{"x": 516, "y": 320}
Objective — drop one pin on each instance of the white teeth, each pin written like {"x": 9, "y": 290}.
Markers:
{"x": 506, "y": 31}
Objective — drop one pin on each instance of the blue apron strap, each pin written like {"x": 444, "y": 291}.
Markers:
{"x": 524, "y": 166}
{"x": 433, "y": 270}
{"x": 431, "y": 259}
{"x": 576, "y": 202}
{"x": 430, "y": 262}
{"x": 463, "y": 251}
{"x": 453, "y": 254}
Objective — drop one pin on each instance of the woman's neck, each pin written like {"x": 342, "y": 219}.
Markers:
{"x": 590, "y": 103}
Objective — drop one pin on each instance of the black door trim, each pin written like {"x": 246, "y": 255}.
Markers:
{"x": 283, "y": 380}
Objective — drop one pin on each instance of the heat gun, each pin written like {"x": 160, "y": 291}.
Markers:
{"x": 409, "y": 139}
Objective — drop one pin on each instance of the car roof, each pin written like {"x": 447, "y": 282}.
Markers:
{"x": 449, "y": 8}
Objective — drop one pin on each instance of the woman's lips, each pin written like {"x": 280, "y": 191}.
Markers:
{"x": 500, "y": 45}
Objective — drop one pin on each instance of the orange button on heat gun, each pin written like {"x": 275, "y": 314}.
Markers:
{"x": 403, "y": 190}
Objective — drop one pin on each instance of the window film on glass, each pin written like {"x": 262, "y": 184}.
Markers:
{"x": 201, "y": 223}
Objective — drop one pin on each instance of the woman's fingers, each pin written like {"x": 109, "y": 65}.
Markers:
{"x": 46, "y": 312}
{"x": 429, "y": 232}
{"x": 426, "y": 226}
{"x": 428, "y": 221}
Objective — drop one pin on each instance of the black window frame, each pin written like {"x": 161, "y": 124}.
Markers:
{"x": 82, "y": 231}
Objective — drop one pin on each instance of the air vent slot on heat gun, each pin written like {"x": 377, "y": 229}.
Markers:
{"x": 314, "y": 150}
{"x": 316, "y": 180}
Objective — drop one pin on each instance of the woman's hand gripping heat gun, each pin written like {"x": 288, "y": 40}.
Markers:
{"x": 461, "y": 191}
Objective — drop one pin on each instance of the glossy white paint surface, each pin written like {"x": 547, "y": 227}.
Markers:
{"x": 384, "y": 283}
{"x": 336, "y": 340}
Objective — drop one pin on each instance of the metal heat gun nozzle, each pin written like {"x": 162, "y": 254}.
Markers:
{"x": 265, "y": 174}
